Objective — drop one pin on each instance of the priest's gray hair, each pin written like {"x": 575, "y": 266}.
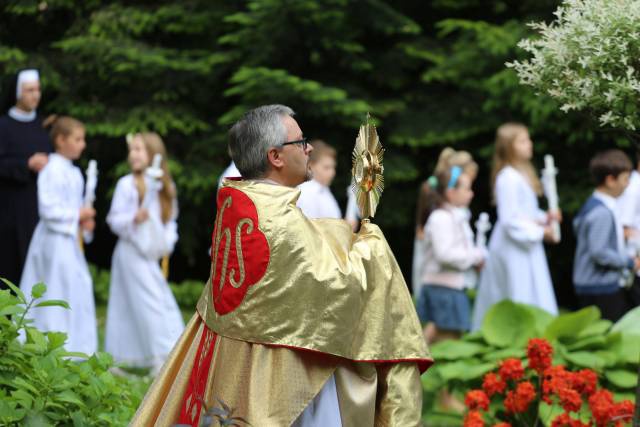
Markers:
{"x": 251, "y": 137}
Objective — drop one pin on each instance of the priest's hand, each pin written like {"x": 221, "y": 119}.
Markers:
{"x": 88, "y": 225}
{"x": 141, "y": 216}
{"x": 636, "y": 264}
{"x": 87, "y": 213}
{"x": 37, "y": 161}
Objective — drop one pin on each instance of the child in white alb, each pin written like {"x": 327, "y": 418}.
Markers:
{"x": 55, "y": 256}
{"x": 143, "y": 318}
{"x": 316, "y": 199}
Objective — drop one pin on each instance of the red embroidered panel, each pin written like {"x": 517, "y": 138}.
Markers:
{"x": 193, "y": 399}
{"x": 240, "y": 252}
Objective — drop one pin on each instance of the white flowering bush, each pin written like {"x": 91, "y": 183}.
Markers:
{"x": 588, "y": 59}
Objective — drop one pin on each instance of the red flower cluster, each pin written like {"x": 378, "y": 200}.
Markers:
{"x": 477, "y": 399}
{"x": 473, "y": 419}
{"x": 570, "y": 399}
{"x": 493, "y": 384}
{"x": 556, "y": 383}
{"x": 511, "y": 369}
{"x": 518, "y": 400}
{"x": 539, "y": 353}
{"x": 584, "y": 382}
{"x": 568, "y": 386}
{"x": 565, "y": 420}
{"x": 605, "y": 410}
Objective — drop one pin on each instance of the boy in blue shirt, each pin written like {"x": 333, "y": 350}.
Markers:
{"x": 601, "y": 260}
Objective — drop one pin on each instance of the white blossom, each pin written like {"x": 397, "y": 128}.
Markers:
{"x": 587, "y": 59}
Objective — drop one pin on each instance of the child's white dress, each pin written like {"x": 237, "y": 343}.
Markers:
{"x": 517, "y": 265}
{"x": 55, "y": 258}
{"x": 143, "y": 318}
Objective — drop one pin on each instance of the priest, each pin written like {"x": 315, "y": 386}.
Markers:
{"x": 302, "y": 322}
{"x": 24, "y": 149}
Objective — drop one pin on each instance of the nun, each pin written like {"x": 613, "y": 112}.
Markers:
{"x": 24, "y": 151}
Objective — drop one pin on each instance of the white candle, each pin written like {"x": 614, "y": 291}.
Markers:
{"x": 549, "y": 182}
{"x": 90, "y": 193}
{"x": 482, "y": 226}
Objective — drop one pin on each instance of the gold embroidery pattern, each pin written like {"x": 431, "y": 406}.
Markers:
{"x": 249, "y": 223}
{"x": 226, "y": 234}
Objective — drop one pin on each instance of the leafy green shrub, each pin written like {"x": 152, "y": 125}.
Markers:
{"x": 586, "y": 60}
{"x": 42, "y": 384}
{"x": 187, "y": 293}
{"x": 101, "y": 280}
{"x": 581, "y": 340}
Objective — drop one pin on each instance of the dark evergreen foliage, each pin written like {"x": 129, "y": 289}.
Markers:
{"x": 431, "y": 73}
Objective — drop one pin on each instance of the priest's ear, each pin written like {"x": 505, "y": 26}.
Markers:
{"x": 275, "y": 158}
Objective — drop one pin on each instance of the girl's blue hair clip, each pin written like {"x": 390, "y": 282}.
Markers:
{"x": 456, "y": 171}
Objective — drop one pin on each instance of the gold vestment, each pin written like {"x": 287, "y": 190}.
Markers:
{"x": 290, "y": 302}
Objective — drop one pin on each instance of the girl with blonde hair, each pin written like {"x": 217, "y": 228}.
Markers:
{"x": 143, "y": 318}
{"x": 429, "y": 199}
{"x": 516, "y": 268}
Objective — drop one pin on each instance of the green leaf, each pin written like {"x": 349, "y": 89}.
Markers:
{"x": 622, "y": 378}
{"x": 591, "y": 342}
{"x": 36, "y": 419}
{"x": 54, "y": 303}
{"x": 465, "y": 370}
{"x": 455, "y": 349}
{"x": 56, "y": 339}
{"x": 599, "y": 327}
{"x": 542, "y": 318}
{"x": 25, "y": 385}
{"x": 586, "y": 359}
{"x": 475, "y": 336}
{"x": 508, "y": 324}
{"x": 442, "y": 418}
{"x": 548, "y": 412}
{"x": 12, "y": 309}
{"x": 629, "y": 324}
{"x": 70, "y": 397}
{"x": 38, "y": 339}
{"x": 610, "y": 357}
{"x": 569, "y": 325}
{"x": 24, "y": 399}
{"x": 15, "y": 289}
{"x": 38, "y": 290}
{"x": 506, "y": 353}
{"x": 626, "y": 347}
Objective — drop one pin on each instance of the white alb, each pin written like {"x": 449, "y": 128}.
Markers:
{"x": 143, "y": 318}
{"x": 55, "y": 258}
{"x": 516, "y": 268}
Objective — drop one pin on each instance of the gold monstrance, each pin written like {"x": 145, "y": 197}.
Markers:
{"x": 368, "y": 182}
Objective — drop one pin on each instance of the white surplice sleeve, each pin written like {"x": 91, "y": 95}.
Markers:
{"x": 123, "y": 209}
{"x": 517, "y": 216}
{"x": 55, "y": 208}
